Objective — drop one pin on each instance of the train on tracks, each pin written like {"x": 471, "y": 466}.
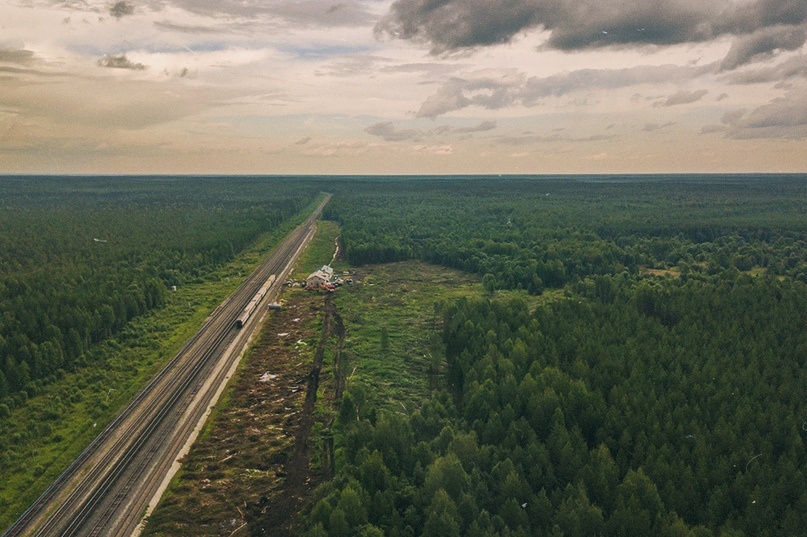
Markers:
{"x": 247, "y": 312}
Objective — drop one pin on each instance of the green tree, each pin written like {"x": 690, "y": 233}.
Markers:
{"x": 576, "y": 516}
{"x": 442, "y": 519}
{"x": 489, "y": 283}
{"x": 384, "y": 339}
{"x": 351, "y": 504}
{"x": 446, "y": 474}
{"x": 338, "y": 525}
{"x": 638, "y": 508}
{"x": 601, "y": 476}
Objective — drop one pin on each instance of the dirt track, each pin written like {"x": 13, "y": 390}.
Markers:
{"x": 279, "y": 517}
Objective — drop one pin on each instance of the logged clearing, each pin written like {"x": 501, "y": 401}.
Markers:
{"x": 268, "y": 444}
{"x": 255, "y": 451}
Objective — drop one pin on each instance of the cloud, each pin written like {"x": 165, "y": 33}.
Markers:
{"x": 530, "y": 138}
{"x": 449, "y": 24}
{"x": 762, "y": 44}
{"x": 795, "y": 67}
{"x": 121, "y": 9}
{"x": 784, "y": 117}
{"x": 497, "y": 88}
{"x": 732, "y": 117}
{"x": 681, "y": 97}
{"x": 652, "y": 127}
{"x": 186, "y": 28}
{"x": 491, "y": 89}
{"x": 120, "y": 62}
{"x": 452, "y": 25}
{"x": 389, "y": 132}
{"x": 711, "y": 129}
{"x": 482, "y": 127}
{"x": 16, "y": 56}
{"x": 22, "y": 64}
{"x": 304, "y": 13}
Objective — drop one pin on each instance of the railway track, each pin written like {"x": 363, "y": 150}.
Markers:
{"x": 107, "y": 489}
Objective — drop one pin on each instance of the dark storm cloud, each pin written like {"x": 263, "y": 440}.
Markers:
{"x": 451, "y": 25}
{"x": 120, "y": 62}
{"x": 763, "y": 43}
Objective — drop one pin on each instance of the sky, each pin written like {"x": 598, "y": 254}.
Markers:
{"x": 403, "y": 86}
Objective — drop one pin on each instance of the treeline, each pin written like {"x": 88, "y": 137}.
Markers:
{"x": 645, "y": 408}
{"x": 532, "y": 233}
{"x": 81, "y": 257}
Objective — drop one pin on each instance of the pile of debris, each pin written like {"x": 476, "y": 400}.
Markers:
{"x": 324, "y": 279}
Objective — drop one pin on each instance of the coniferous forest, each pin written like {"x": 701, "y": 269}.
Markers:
{"x": 80, "y": 257}
{"x": 657, "y": 390}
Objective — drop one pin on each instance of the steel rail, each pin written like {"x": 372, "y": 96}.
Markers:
{"x": 155, "y": 421}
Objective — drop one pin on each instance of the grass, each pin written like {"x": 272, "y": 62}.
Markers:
{"x": 403, "y": 300}
{"x": 53, "y": 427}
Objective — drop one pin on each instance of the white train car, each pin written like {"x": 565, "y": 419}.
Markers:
{"x": 253, "y": 303}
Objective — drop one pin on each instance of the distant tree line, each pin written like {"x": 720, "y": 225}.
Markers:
{"x": 544, "y": 233}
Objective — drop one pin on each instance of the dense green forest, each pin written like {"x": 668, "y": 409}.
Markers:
{"x": 648, "y": 378}
{"x": 658, "y": 389}
{"x": 80, "y": 257}
{"x": 535, "y": 232}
